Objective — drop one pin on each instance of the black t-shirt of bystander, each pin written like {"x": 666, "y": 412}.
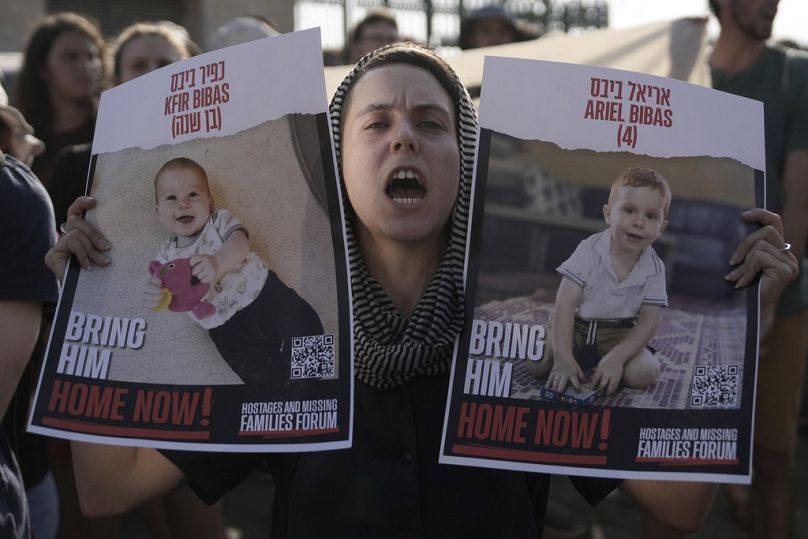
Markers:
{"x": 389, "y": 483}
{"x": 28, "y": 231}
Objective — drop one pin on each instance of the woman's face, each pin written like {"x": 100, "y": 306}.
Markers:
{"x": 400, "y": 155}
{"x": 143, "y": 55}
{"x": 73, "y": 67}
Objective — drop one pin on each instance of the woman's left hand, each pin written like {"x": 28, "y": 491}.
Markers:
{"x": 763, "y": 252}
{"x": 80, "y": 239}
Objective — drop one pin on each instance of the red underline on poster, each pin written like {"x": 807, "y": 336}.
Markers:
{"x": 135, "y": 432}
{"x": 533, "y": 456}
{"x": 289, "y": 433}
{"x": 687, "y": 462}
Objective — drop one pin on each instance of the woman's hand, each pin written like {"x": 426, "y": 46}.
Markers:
{"x": 81, "y": 239}
{"x": 763, "y": 252}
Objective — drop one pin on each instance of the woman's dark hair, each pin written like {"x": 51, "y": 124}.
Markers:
{"x": 31, "y": 89}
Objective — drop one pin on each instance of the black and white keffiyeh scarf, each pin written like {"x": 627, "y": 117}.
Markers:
{"x": 390, "y": 348}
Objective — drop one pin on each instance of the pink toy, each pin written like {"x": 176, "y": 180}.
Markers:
{"x": 183, "y": 291}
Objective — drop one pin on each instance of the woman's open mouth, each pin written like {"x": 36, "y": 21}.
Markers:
{"x": 405, "y": 188}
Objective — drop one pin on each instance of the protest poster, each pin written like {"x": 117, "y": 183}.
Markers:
{"x": 222, "y": 322}
{"x": 559, "y": 259}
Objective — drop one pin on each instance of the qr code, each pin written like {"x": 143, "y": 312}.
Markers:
{"x": 312, "y": 357}
{"x": 715, "y": 386}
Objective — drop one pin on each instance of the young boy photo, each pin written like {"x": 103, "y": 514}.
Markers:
{"x": 206, "y": 268}
{"x": 611, "y": 294}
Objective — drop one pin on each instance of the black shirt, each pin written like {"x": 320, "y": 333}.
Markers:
{"x": 28, "y": 231}
{"x": 389, "y": 483}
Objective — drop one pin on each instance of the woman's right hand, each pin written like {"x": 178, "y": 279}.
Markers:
{"x": 81, "y": 239}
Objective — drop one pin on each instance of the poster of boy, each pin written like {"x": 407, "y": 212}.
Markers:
{"x": 604, "y": 338}
{"x": 222, "y": 320}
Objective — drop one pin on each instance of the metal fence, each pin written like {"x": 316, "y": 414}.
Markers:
{"x": 438, "y": 21}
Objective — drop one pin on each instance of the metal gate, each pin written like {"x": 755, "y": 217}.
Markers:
{"x": 437, "y": 22}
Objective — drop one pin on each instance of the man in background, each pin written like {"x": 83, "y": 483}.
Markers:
{"x": 743, "y": 63}
{"x": 26, "y": 219}
{"x": 490, "y": 26}
{"x": 377, "y": 29}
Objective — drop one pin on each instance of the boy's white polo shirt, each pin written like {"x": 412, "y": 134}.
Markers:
{"x": 604, "y": 296}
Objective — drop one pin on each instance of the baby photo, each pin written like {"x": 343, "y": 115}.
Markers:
{"x": 620, "y": 259}
{"x": 206, "y": 269}
{"x": 225, "y": 248}
{"x": 219, "y": 316}
{"x": 611, "y": 295}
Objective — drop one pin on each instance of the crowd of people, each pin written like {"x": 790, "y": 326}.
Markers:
{"x": 407, "y": 273}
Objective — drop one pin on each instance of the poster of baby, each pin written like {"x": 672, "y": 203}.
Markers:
{"x": 222, "y": 320}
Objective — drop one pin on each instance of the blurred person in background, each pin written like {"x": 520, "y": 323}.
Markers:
{"x": 490, "y": 26}
{"x": 26, "y": 219}
{"x": 139, "y": 49}
{"x": 23, "y": 189}
{"x": 743, "y": 63}
{"x": 61, "y": 78}
{"x": 376, "y": 29}
{"x": 241, "y": 30}
{"x": 143, "y": 47}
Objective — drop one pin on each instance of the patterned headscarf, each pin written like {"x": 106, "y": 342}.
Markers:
{"x": 389, "y": 348}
